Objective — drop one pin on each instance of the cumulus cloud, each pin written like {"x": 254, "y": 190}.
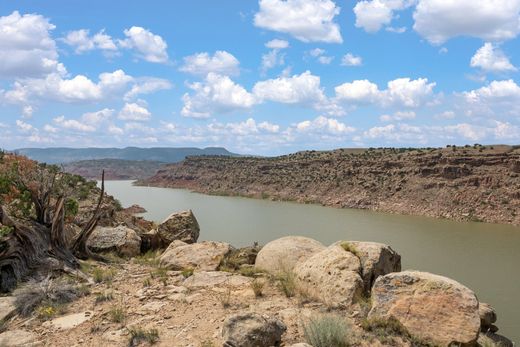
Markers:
{"x": 221, "y": 62}
{"x": 398, "y": 116}
{"x": 400, "y": 92}
{"x": 277, "y": 44}
{"x": 274, "y": 57}
{"x": 26, "y": 46}
{"x": 323, "y": 124}
{"x": 372, "y": 15}
{"x": 350, "y": 59}
{"x": 496, "y": 91}
{"x": 491, "y": 20}
{"x": 320, "y": 56}
{"x": 23, "y": 126}
{"x": 491, "y": 58}
{"x": 88, "y": 122}
{"x": 73, "y": 124}
{"x": 149, "y": 46}
{"x": 82, "y": 42}
{"x": 306, "y": 20}
{"x": 147, "y": 85}
{"x": 217, "y": 93}
{"x": 134, "y": 112}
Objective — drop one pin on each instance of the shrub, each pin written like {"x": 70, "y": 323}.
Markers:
{"x": 386, "y": 328}
{"x": 138, "y": 335}
{"x": 5, "y": 230}
{"x": 46, "y": 293}
{"x": 117, "y": 314}
{"x": 149, "y": 258}
{"x": 287, "y": 283}
{"x": 327, "y": 331}
{"x": 101, "y": 275}
{"x": 103, "y": 297}
{"x": 258, "y": 287}
{"x": 350, "y": 248}
{"x": 225, "y": 299}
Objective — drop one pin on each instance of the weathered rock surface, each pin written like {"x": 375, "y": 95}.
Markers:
{"x": 332, "y": 276}
{"x": 252, "y": 330}
{"x": 491, "y": 339}
{"x": 120, "y": 239}
{"x": 205, "y": 256}
{"x": 487, "y": 315}
{"x": 377, "y": 259}
{"x": 69, "y": 321}
{"x": 7, "y": 306}
{"x": 181, "y": 226}
{"x": 241, "y": 256}
{"x": 282, "y": 254}
{"x": 215, "y": 278}
{"x": 431, "y": 307}
{"x": 19, "y": 338}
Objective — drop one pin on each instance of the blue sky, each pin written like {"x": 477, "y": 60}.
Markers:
{"x": 262, "y": 77}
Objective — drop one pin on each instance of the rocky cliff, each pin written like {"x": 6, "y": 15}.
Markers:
{"x": 479, "y": 183}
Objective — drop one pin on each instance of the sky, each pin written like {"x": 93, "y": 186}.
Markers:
{"x": 263, "y": 77}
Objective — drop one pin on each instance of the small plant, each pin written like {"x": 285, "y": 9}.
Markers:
{"x": 187, "y": 272}
{"x": 225, "y": 299}
{"x": 327, "y": 331}
{"x": 160, "y": 273}
{"x": 207, "y": 343}
{"x": 350, "y": 248}
{"x": 117, "y": 314}
{"x": 149, "y": 258}
{"x": 101, "y": 275}
{"x": 147, "y": 282}
{"x": 103, "y": 297}
{"x": 287, "y": 283}
{"x": 46, "y": 312}
{"x": 138, "y": 335}
{"x": 248, "y": 271}
{"x": 386, "y": 328}
{"x": 258, "y": 287}
{"x": 5, "y": 230}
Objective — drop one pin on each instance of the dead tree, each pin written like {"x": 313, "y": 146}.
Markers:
{"x": 32, "y": 245}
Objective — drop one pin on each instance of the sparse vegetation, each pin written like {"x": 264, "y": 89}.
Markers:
{"x": 287, "y": 283}
{"x": 258, "y": 286}
{"x": 103, "y": 297}
{"x": 225, "y": 298}
{"x": 187, "y": 273}
{"x": 150, "y": 258}
{"x": 117, "y": 314}
{"x": 100, "y": 275}
{"x": 327, "y": 331}
{"x": 386, "y": 329}
{"x": 139, "y": 335}
{"x": 350, "y": 248}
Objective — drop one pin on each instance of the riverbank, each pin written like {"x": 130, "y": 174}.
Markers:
{"x": 461, "y": 183}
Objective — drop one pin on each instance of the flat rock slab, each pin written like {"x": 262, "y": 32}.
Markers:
{"x": 19, "y": 338}
{"x": 215, "y": 278}
{"x": 70, "y": 321}
{"x": 7, "y": 306}
{"x": 154, "y": 306}
{"x": 204, "y": 256}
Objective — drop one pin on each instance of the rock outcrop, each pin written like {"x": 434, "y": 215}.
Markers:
{"x": 282, "y": 254}
{"x": 377, "y": 259}
{"x": 431, "y": 307}
{"x": 181, "y": 226}
{"x": 332, "y": 276}
{"x": 488, "y": 317}
{"x": 204, "y": 256}
{"x": 122, "y": 240}
{"x": 252, "y": 330}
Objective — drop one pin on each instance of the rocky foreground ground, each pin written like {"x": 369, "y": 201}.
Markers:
{"x": 292, "y": 291}
{"x": 472, "y": 183}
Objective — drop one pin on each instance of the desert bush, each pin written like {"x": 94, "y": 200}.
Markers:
{"x": 101, "y": 275}
{"x": 117, "y": 314}
{"x": 258, "y": 286}
{"x": 150, "y": 258}
{"x": 327, "y": 331}
{"x": 46, "y": 293}
{"x": 139, "y": 335}
{"x": 225, "y": 298}
{"x": 287, "y": 283}
{"x": 384, "y": 329}
{"x": 103, "y": 297}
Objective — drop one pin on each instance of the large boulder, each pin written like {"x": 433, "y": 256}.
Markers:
{"x": 204, "y": 256}
{"x": 252, "y": 330}
{"x": 122, "y": 240}
{"x": 332, "y": 276}
{"x": 282, "y": 254}
{"x": 181, "y": 226}
{"x": 429, "y": 306}
{"x": 377, "y": 259}
{"x": 487, "y": 315}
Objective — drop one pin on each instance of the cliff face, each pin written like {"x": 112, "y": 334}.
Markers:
{"x": 463, "y": 183}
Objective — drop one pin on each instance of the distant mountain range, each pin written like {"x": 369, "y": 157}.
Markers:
{"x": 62, "y": 155}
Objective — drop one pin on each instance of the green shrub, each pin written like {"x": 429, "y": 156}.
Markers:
{"x": 117, "y": 314}
{"x": 327, "y": 331}
{"x": 258, "y": 287}
{"x": 138, "y": 335}
{"x": 287, "y": 283}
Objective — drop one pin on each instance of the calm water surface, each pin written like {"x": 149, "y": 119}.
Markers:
{"x": 484, "y": 257}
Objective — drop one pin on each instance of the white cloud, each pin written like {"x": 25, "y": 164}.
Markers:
{"x": 398, "y": 30}
{"x": 114, "y": 130}
{"x": 306, "y": 20}
{"x": 323, "y": 124}
{"x": 298, "y": 89}
{"x": 134, "y": 112}
{"x": 445, "y": 115}
{"x": 400, "y": 92}
{"x": 149, "y": 46}
{"x": 350, "y": 59}
{"x": 491, "y": 58}
{"x": 398, "y": 116}
{"x": 97, "y": 117}
{"x": 271, "y": 59}
{"x": 26, "y": 46}
{"x": 319, "y": 54}
{"x": 491, "y": 20}
{"x": 246, "y": 128}
{"x": 73, "y": 124}
{"x": 496, "y": 91}
{"x": 24, "y": 127}
{"x": 27, "y": 111}
{"x": 147, "y": 85}
{"x": 277, "y": 44}
{"x": 221, "y": 62}
{"x": 372, "y": 15}
{"x": 218, "y": 94}
{"x": 50, "y": 129}
{"x": 83, "y": 42}
{"x": 325, "y": 60}
{"x": 316, "y": 52}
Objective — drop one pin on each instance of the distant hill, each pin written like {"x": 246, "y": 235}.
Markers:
{"x": 115, "y": 169}
{"x": 60, "y": 155}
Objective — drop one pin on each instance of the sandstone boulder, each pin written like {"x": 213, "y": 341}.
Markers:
{"x": 377, "y": 259}
{"x": 181, "y": 226}
{"x": 252, "y": 330}
{"x": 282, "y": 254}
{"x": 122, "y": 240}
{"x": 487, "y": 315}
{"x": 431, "y": 307}
{"x": 204, "y": 256}
{"x": 332, "y": 276}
